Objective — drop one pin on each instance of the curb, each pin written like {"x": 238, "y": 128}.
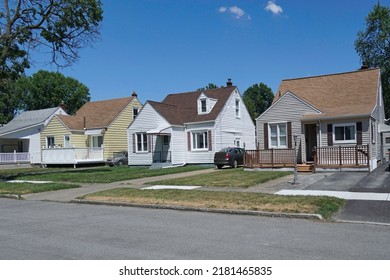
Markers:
{"x": 208, "y": 210}
{"x": 12, "y": 196}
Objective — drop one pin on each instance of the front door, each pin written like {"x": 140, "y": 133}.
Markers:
{"x": 310, "y": 140}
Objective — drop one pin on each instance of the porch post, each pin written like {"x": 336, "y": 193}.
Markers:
{"x": 295, "y": 182}
{"x": 14, "y": 156}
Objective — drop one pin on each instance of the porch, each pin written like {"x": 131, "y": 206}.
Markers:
{"x": 337, "y": 157}
{"x": 15, "y": 157}
{"x": 72, "y": 156}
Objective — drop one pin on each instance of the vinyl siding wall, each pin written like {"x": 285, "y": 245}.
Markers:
{"x": 115, "y": 138}
{"x": 288, "y": 108}
{"x": 146, "y": 120}
{"x": 55, "y": 128}
{"x": 229, "y": 128}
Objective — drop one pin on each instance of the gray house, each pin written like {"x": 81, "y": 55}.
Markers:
{"x": 335, "y": 119}
{"x": 20, "y": 138}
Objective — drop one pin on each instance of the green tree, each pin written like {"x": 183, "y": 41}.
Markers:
{"x": 48, "y": 89}
{"x": 209, "y": 86}
{"x": 257, "y": 99}
{"x": 373, "y": 47}
{"x": 58, "y": 27}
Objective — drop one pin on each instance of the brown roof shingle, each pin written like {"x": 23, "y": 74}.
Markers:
{"x": 182, "y": 108}
{"x": 350, "y": 93}
{"x": 98, "y": 114}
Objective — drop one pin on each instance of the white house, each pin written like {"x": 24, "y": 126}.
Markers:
{"x": 188, "y": 128}
{"x": 20, "y": 138}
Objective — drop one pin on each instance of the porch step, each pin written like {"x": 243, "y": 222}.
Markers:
{"x": 158, "y": 165}
{"x": 305, "y": 167}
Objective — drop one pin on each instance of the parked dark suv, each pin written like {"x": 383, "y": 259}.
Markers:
{"x": 232, "y": 156}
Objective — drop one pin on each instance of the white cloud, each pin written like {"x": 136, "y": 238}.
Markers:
{"x": 273, "y": 8}
{"x": 234, "y": 10}
{"x": 222, "y": 9}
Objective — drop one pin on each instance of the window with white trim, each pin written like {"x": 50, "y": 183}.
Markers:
{"x": 278, "y": 135}
{"x": 344, "y": 133}
{"x": 96, "y": 141}
{"x": 141, "y": 142}
{"x": 203, "y": 105}
{"x": 50, "y": 143}
{"x": 199, "y": 140}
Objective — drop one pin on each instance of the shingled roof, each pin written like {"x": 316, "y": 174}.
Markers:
{"x": 350, "y": 93}
{"x": 181, "y": 108}
{"x": 98, "y": 114}
{"x": 28, "y": 119}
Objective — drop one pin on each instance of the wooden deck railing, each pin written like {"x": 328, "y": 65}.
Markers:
{"x": 353, "y": 156}
{"x": 269, "y": 158}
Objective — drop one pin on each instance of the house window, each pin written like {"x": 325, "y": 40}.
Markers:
{"x": 97, "y": 141}
{"x": 238, "y": 113}
{"x": 135, "y": 112}
{"x": 203, "y": 106}
{"x": 344, "y": 133}
{"x": 278, "y": 135}
{"x": 373, "y": 135}
{"x": 142, "y": 142}
{"x": 199, "y": 140}
{"x": 50, "y": 142}
{"x": 237, "y": 142}
{"x": 387, "y": 140}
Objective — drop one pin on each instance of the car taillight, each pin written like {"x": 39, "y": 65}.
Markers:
{"x": 227, "y": 156}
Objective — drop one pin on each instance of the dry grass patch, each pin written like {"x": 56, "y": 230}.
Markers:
{"x": 222, "y": 200}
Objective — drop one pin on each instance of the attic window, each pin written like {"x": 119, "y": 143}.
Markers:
{"x": 203, "y": 105}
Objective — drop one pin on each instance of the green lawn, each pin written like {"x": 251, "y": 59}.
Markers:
{"x": 237, "y": 178}
{"x": 104, "y": 174}
{"x": 324, "y": 206}
{"x": 26, "y": 188}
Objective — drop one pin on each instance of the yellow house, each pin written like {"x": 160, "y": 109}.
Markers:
{"x": 94, "y": 133}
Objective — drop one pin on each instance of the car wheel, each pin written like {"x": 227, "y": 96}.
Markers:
{"x": 235, "y": 164}
{"x": 120, "y": 163}
{"x": 219, "y": 166}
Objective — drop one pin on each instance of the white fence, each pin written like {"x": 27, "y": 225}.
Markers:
{"x": 72, "y": 155}
{"x": 14, "y": 157}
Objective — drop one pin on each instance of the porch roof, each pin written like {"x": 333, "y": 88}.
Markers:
{"x": 159, "y": 130}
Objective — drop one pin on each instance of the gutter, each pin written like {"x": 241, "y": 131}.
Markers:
{"x": 343, "y": 117}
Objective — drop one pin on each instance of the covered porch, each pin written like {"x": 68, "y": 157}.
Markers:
{"x": 160, "y": 140}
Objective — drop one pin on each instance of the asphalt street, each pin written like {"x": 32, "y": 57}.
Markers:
{"x": 52, "y": 230}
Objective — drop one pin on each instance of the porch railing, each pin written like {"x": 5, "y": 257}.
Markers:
{"x": 269, "y": 158}
{"x": 71, "y": 155}
{"x": 160, "y": 156}
{"x": 357, "y": 155}
{"x": 14, "y": 157}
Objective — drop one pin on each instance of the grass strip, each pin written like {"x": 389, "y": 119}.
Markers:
{"x": 106, "y": 174}
{"x": 235, "y": 178}
{"x": 324, "y": 206}
{"x": 26, "y": 188}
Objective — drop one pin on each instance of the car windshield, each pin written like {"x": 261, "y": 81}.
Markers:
{"x": 227, "y": 150}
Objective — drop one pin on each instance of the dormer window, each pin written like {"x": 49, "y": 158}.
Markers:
{"x": 203, "y": 105}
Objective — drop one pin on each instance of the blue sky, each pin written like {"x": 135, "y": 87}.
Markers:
{"x": 157, "y": 47}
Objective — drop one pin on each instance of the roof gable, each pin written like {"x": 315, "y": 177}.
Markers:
{"x": 98, "y": 114}
{"x": 336, "y": 94}
{"x": 29, "y": 119}
{"x": 181, "y": 108}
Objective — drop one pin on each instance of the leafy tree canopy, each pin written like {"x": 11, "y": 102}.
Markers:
{"x": 257, "y": 99}
{"x": 48, "y": 89}
{"x": 373, "y": 47}
{"x": 209, "y": 86}
{"x": 58, "y": 27}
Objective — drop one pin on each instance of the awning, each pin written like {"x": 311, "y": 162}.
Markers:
{"x": 384, "y": 127}
{"x": 94, "y": 132}
{"x": 159, "y": 130}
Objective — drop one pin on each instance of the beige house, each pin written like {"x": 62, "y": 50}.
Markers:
{"x": 98, "y": 130}
{"x": 335, "y": 119}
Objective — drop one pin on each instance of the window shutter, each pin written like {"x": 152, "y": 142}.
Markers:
{"x": 189, "y": 141}
{"x": 266, "y": 136}
{"x": 359, "y": 133}
{"x": 134, "y": 137}
{"x": 289, "y": 135}
{"x": 330, "y": 135}
{"x": 209, "y": 140}
{"x": 149, "y": 143}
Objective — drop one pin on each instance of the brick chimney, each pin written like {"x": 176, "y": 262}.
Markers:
{"x": 134, "y": 94}
{"x": 229, "y": 83}
{"x": 62, "y": 106}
